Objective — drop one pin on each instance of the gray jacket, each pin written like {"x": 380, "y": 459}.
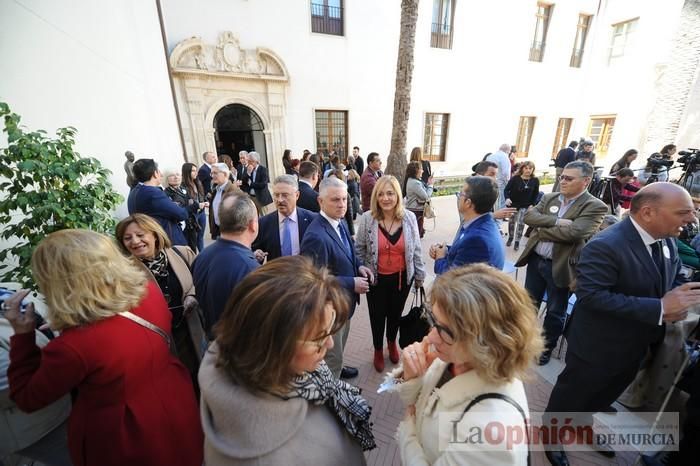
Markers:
{"x": 416, "y": 194}
{"x": 367, "y": 244}
{"x": 243, "y": 428}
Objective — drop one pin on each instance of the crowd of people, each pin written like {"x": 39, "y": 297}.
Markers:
{"x": 173, "y": 353}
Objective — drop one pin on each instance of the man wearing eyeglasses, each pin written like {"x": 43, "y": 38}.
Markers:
{"x": 478, "y": 238}
{"x": 563, "y": 222}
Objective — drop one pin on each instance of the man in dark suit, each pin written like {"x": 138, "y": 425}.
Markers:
{"x": 148, "y": 198}
{"x": 308, "y": 179}
{"x": 563, "y": 158}
{"x": 369, "y": 178}
{"x": 255, "y": 183}
{"x": 224, "y": 263}
{"x": 327, "y": 241}
{"x": 204, "y": 173}
{"x": 281, "y": 232}
{"x": 359, "y": 163}
{"x": 478, "y": 238}
{"x": 627, "y": 288}
{"x": 563, "y": 223}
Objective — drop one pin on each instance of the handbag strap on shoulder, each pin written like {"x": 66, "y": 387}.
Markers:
{"x": 144, "y": 323}
{"x": 509, "y": 400}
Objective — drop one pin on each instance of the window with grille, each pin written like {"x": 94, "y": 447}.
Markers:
{"x": 327, "y": 17}
{"x": 562, "y": 136}
{"x": 622, "y": 35}
{"x": 332, "y": 132}
{"x": 543, "y": 16}
{"x": 435, "y": 136}
{"x": 600, "y": 131}
{"x": 442, "y": 26}
{"x": 584, "y": 23}
{"x": 522, "y": 141}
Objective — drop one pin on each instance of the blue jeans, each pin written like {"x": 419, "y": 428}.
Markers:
{"x": 538, "y": 280}
{"x": 202, "y": 221}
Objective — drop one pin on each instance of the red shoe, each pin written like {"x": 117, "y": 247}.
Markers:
{"x": 393, "y": 352}
{"x": 379, "y": 360}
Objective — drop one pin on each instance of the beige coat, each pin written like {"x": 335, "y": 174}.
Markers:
{"x": 587, "y": 214}
{"x": 254, "y": 429}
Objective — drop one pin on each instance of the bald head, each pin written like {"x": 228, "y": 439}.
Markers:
{"x": 655, "y": 194}
{"x": 662, "y": 209}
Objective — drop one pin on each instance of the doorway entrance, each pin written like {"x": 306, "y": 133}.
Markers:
{"x": 238, "y": 128}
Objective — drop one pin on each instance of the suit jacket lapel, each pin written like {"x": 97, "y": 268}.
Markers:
{"x": 276, "y": 235}
{"x": 334, "y": 234}
{"x": 640, "y": 250}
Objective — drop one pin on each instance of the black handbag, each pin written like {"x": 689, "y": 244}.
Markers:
{"x": 412, "y": 326}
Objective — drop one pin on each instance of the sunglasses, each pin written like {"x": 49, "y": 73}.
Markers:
{"x": 445, "y": 333}
{"x": 567, "y": 178}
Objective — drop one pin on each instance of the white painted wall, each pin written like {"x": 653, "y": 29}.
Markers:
{"x": 95, "y": 65}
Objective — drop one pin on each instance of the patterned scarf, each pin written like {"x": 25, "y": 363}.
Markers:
{"x": 158, "y": 266}
{"x": 320, "y": 387}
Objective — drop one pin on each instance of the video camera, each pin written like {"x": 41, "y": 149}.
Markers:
{"x": 689, "y": 158}
{"x": 656, "y": 162}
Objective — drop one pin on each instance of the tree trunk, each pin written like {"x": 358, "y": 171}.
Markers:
{"x": 397, "y": 160}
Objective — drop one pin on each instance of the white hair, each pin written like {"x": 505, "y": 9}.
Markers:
{"x": 254, "y": 156}
{"x": 243, "y": 153}
{"x": 330, "y": 183}
{"x": 291, "y": 180}
{"x": 222, "y": 167}
{"x": 504, "y": 148}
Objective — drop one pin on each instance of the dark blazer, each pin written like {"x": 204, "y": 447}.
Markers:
{"x": 479, "y": 242}
{"x": 322, "y": 243}
{"x": 153, "y": 201}
{"x": 359, "y": 164}
{"x": 308, "y": 198}
{"x": 564, "y": 156}
{"x": 259, "y": 184}
{"x": 204, "y": 176}
{"x": 269, "y": 233}
{"x": 618, "y": 291}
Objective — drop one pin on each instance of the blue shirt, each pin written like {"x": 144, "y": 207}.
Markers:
{"x": 216, "y": 272}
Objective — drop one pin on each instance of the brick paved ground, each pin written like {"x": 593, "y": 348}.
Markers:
{"x": 388, "y": 409}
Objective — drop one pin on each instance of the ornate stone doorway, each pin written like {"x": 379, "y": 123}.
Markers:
{"x": 239, "y": 128}
{"x": 226, "y": 94}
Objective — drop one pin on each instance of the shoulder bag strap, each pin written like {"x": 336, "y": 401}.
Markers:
{"x": 182, "y": 256}
{"x": 144, "y": 323}
{"x": 509, "y": 400}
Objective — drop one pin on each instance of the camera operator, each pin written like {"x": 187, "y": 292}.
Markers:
{"x": 656, "y": 168}
{"x": 585, "y": 152}
{"x": 613, "y": 195}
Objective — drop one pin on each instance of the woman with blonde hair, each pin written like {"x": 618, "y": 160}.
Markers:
{"x": 466, "y": 374}
{"x": 388, "y": 242}
{"x": 417, "y": 156}
{"x": 268, "y": 397}
{"x": 134, "y": 402}
{"x": 141, "y": 237}
{"x": 416, "y": 192}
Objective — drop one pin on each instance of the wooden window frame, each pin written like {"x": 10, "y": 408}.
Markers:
{"x": 428, "y": 137}
{"x": 627, "y": 39}
{"x": 562, "y": 135}
{"x": 602, "y": 142}
{"x": 583, "y": 27}
{"x": 537, "y": 47}
{"x": 330, "y": 132}
{"x": 521, "y": 145}
{"x": 439, "y": 39}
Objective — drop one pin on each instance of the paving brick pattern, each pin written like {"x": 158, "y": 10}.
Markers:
{"x": 387, "y": 409}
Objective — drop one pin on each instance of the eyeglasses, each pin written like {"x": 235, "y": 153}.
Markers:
{"x": 445, "y": 333}
{"x": 462, "y": 195}
{"x": 567, "y": 178}
{"x": 321, "y": 341}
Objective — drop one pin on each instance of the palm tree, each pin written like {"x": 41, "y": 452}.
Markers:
{"x": 397, "y": 160}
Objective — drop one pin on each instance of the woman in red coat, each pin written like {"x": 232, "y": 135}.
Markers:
{"x": 133, "y": 401}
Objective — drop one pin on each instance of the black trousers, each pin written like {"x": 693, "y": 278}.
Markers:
{"x": 386, "y": 302}
{"x": 587, "y": 389}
